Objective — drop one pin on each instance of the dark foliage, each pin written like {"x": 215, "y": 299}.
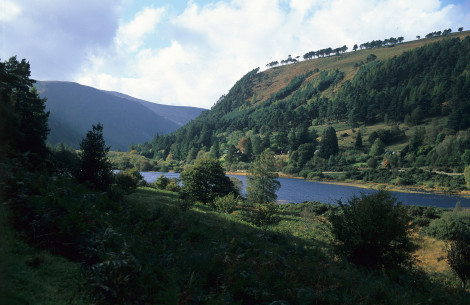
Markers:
{"x": 95, "y": 167}
{"x": 372, "y": 231}
{"x": 23, "y": 123}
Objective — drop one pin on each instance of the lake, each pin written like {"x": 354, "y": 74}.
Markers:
{"x": 299, "y": 190}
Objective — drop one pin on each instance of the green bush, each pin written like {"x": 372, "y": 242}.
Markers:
{"x": 372, "y": 231}
{"x": 449, "y": 226}
{"x": 226, "y": 204}
{"x": 173, "y": 185}
{"x": 264, "y": 215}
{"x": 127, "y": 181}
{"x": 162, "y": 182}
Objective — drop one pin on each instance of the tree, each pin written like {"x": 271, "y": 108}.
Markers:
{"x": 467, "y": 175}
{"x": 232, "y": 154}
{"x": 458, "y": 257}
{"x": 460, "y": 29}
{"x": 377, "y": 148}
{"x": 23, "y": 125}
{"x": 206, "y": 180}
{"x": 329, "y": 143}
{"x": 95, "y": 168}
{"x": 262, "y": 182}
{"x": 372, "y": 231}
{"x": 358, "y": 143}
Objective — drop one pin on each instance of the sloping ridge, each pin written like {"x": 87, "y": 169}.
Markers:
{"x": 75, "y": 108}
{"x": 178, "y": 114}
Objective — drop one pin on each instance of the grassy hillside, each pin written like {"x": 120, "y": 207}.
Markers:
{"x": 32, "y": 276}
{"x": 145, "y": 248}
{"x": 276, "y": 78}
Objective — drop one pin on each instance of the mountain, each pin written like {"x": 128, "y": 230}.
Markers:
{"x": 413, "y": 97}
{"x": 126, "y": 120}
{"x": 177, "y": 114}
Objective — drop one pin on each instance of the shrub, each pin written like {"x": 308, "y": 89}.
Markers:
{"x": 127, "y": 181}
{"x": 449, "y": 226}
{"x": 173, "y": 185}
{"x": 372, "y": 231}
{"x": 265, "y": 215}
{"x": 162, "y": 182}
{"x": 458, "y": 256}
{"x": 226, "y": 204}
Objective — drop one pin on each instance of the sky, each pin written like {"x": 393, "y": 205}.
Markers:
{"x": 190, "y": 53}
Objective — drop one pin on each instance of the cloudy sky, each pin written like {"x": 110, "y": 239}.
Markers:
{"x": 191, "y": 52}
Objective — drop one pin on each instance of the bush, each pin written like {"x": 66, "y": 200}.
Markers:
{"x": 162, "y": 182}
{"x": 127, "y": 180}
{"x": 449, "y": 226}
{"x": 458, "y": 256}
{"x": 173, "y": 185}
{"x": 265, "y": 215}
{"x": 226, "y": 204}
{"x": 372, "y": 231}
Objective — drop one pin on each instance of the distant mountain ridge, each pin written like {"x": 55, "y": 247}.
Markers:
{"x": 182, "y": 116}
{"x": 74, "y": 108}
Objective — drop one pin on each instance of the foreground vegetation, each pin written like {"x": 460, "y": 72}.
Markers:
{"x": 146, "y": 248}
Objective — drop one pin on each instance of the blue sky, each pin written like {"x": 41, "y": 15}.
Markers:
{"x": 191, "y": 52}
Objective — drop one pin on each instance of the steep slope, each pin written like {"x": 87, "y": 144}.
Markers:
{"x": 74, "y": 108}
{"x": 286, "y": 108}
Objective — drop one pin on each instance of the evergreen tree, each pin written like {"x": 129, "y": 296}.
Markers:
{"x": 377, "y": 148}
{"x": 358, "y": 143}
{"x": 215, "y": 150}
{"x": 23, "y": 125}
{"x": 95, "y": 168}
{"x": 467, "y": 175}
{"x": 248, "y": 153}
{"x": 262, "y": 182}
{"x": 329, "y": 143}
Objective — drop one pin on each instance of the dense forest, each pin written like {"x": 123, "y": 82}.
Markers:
{"x": 409, "y": 110}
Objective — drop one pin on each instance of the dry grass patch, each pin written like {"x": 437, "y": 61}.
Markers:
{"x": 431, "y": 254}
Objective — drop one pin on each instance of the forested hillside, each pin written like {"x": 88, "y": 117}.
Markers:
{"x": 402, "y": 105}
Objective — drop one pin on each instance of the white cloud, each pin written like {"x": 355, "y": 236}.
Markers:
{"x": 131, "y": 35}
{"x": 214, "y": 45}
{"x": 9, "y": 11}
{"x": 55, "y": 36}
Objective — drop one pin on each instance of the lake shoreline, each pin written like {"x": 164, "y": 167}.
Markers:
{"x": 371, "y": 185}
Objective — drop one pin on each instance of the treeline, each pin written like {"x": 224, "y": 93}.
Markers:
{"x": 366, "y": 45}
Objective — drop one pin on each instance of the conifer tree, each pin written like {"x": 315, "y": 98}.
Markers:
{"x": 262, "y": 182}
{"x": 329, "y": 143}
{"x": 95, "y": 168}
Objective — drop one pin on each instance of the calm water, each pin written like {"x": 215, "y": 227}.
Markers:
{"x": 298, "y": 190}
